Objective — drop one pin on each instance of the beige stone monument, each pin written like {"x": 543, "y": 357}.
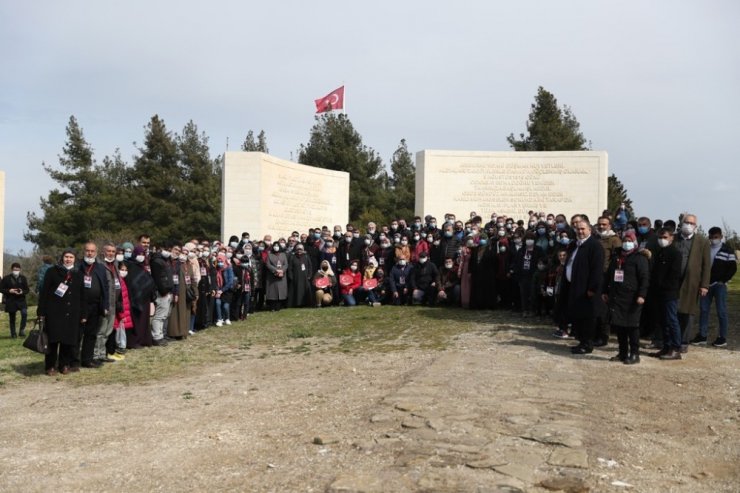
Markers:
{"x": 510, "y": 183}
{"x": 262, "y": 194}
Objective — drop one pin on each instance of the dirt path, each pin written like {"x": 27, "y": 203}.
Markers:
{"x": 496, "y": 412}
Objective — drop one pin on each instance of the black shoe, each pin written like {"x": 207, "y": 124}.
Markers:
{"x": 660, "y": 353}
{"x": 699, "y": 340}
{"x": 159, "y": 342}
{"x": 107, "y": 360}
{"x": 720, "y": 342}
{"x": 633, "y": 359}
{"x": 91, "y": 364}
{"x": 581, "y": 350}
{"x": 22, "y": 333}
{"x": 599, "y": 343}
{"x": 671, "y": 355}
{"x": 13, "y": 336}
{"x": 619, "y": 357}
{"x": 684, "y": 348}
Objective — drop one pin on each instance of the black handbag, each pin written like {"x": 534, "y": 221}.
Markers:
{"x": 37, "y": 339}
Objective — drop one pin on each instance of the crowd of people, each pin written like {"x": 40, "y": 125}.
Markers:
{"x": 635, "y": 277}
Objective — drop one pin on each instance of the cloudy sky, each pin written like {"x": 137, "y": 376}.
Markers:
{"x": 655, "y": 84}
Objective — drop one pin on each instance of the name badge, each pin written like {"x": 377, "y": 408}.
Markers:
{"x": 117, "y": 282}
{"x": 203, "y": 271}
{"x": 88, "y": 281}
{"x": 347, "y": 256}
{"x": 550, "y": 291}
{"x": 381, "y": 261}
{"x": 61, "y": 289}
{"x": 526, "y": 265}
{"x": 303, "y": 267}
{"x": 619, "y": 275}
{"x": 176, "y": 278}
{"x": 402, "y": 280}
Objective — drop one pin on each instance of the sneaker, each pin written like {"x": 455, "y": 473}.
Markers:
{"x": 116, "y": 357}
{"x": 219, "y": 323}
{"x": 191, "y": 332}
{"x": 720, "y": 342}
{"x": 561, "y": 334}
{"x": 698, "y": 340}
{"x": 376, "y": 303}
{"x": 227, "y": 321}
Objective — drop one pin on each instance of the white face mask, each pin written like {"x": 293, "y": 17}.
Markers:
{"x": 69, "y": 267}
{"x": 16, "y": 273}
{"x": 423, "y": 260}
{"x": 368, "y": 242}
{"x": 628, "y": 246}
{"x": 402, "y": 262}
{"x": 119, "y": 257}
{"x": 191, "y": 255}
{"x": 123, "y": 273}
{"x": 687, "y": 229}
{"x": 233, "y": 244}
{"x": 89, "y": 260}
{"x": 276, "y": 248}
{"x": 109, "y": 259}
{"x": 229, "y": 254}
{"x": 140, "y": 258}
{"x": 529, "y": 242}
{"x": 448, "y": 266}
{"x": 353, "y": 268}
{"x": 204, "y": 255}
{"x": 165, "y": 254}
{"x": 663, "y": 242}
{"x": 182, "y": 257}
{"x": 716, "y": 241}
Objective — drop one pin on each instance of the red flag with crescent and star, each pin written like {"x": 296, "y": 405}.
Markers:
{"x": 332, "y": 101}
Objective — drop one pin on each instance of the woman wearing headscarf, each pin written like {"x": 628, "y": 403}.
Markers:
{"x": 60, "y": 307}
{"x": 324, "y": 281}
{"x": 300, "y": 271}
{"x": 178, "y": 324}
{"x": 276, "y": 282}
{"x": 141, "y": 294}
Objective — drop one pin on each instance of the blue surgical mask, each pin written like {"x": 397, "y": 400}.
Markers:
{"x": 643, "y": 229}
{"x": 564, "y": 241}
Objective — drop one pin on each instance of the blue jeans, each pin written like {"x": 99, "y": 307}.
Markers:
{"x": 349, "y": 300}
{"x": 671, "y": 327}
{"x": 718, "y": 292}
{"x": 222, "y": 310}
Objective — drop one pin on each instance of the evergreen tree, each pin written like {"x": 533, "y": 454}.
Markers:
{"x": 157, "y": 184}
{"x": 549, "y": 128}
{"x": 616, "y": 195}
{"x": 335, "y": 144}
{"x": 201, "y": 187}
{"x": 260, "y": 145}
{"x": 553, "y": 129}
{"x": 72, "y": 210}
{"x": 402, "y": 183}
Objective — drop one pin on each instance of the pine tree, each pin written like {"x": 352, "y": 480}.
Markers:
{"x": 260, "y": 145}
{"x": 550, "y": 128}
{"x": 249, "y": 145}
{"x": 262, "y": 142}
{"x": 335, "y": 144}
{"x": 201, "y": 187}
{"x": 402, "y": 183}
{"x": 616, "y": 195}
{"x": 157, "y": 183}
{"x": 71, "y": 211}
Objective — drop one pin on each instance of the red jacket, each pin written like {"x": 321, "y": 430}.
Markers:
{"x": 125, "y": 314}
{"x": 356, "y": 281}
{"x": 421, "y": 246}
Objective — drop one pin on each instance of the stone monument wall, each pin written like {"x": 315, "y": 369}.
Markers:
{"x": 262, "y": 194}
{"x": 510, "y": 183}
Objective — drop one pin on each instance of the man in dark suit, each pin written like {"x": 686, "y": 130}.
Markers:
{"x": 583, "y": 282}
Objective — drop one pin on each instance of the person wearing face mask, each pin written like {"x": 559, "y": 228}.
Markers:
{"x": 350, "y": 282}
{"x": 523, "y": 267}
{"x": 178, "y": 323}
{"x": 724, "y": 267}
{"x": 123, "y": 322}
{"x": 161, "y": 268}
{"x": 426, "y": 281}
{"x": 141, "y": 290}
{"x": 223, "y": 282}
{"x": 324, "y": 281}
{"x": 612, "y": 246}
{"x": 696, "y": 267}
{"x": 450, "y": 283}
{"x": 96, "y": 305}
{"x": 276, "y": 287}
{"x": 402, "y": 250}
{"x": 584, "y": 275}
{"x": 665, "y": 281}
{"x": 191, "y": 268}
{"x": 384, "y": 253}
{"x": 61, "y": 307}
{"x": 418, "y": 245}
{"x": 401, "y": 282}
{"x": 105, "y": 344}
{"x": 14, "y": 288}
{"x": 625, "y": 288}
{"x": 347, "y": 250}
{"x": 449, "y": 244}
{"x": 504, "y": 285}
{"x": 300, "y": 271}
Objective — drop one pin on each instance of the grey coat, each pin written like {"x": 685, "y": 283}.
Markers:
{"x": 276, "y": 288}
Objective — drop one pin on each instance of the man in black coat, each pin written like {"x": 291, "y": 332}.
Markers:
{"x": 95, "y": 295}
{"x": 583, "y": 282}
{"x": 164, "y": 285}
{"x": 14, "y": 288}
{"x": 426, "y": 281}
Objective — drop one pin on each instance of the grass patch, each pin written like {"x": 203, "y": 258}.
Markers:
{"x": 347, "y": 330}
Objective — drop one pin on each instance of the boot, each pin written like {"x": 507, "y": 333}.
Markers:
{"x": 633, "y": 359}
{"x": 619, "y": 357}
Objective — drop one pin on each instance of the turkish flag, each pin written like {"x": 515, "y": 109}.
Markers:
{"x": 332, "y": 101}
